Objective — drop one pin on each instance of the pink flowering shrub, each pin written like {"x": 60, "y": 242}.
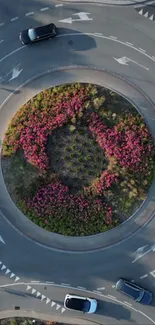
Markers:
{"x": 106, "y": 180}
{"x": 128, "y": 141}
{"x": 31, "y": 135}
{"x": 54, "y": 200}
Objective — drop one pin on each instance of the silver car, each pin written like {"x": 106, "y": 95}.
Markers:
{"x": 86, "y": 305}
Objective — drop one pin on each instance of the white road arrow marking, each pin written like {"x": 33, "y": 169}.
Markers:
{"x": 83, "y": 16}
{"x": 141, "y": 254}
{"x": 1, "y": 239}
{"x": 124, "y": 60}
{"x": 15, "y": 73}
{"x": 153, "y": 273}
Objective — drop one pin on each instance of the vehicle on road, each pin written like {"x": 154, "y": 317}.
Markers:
{"x": 33, "y": 35}
{"x": 134, "y": 291}
{"x": 86, "y": 305}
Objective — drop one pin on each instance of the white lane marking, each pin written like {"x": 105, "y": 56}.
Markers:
{"x": 62, "y": 310}
{"x": 29, "y": 13}
{"x": 65, "y": 284}
{"x": 33, "y": 291}
{"x": 124, "y": 60}
{"x": 132, "y": 280}
{"x": 43, "y": 297}
{"x": 28, "y": 287}
{"x": 59, "y": 5}
{"x": 47, "y": 301}
{"x": 6, "y": 56}
{"x": 38, "y": 294}
{"x": 153, "y": 57}
{"x": 112, "y": 297}
{"x": 1, "y": 239}
{"x": 153, "y": 273}
{"x": 7, "y": 271}
{"x": 49, "y": 282}
{"x": 57, "y": 306}
{"x": 142, "y": 49}
{"x": 17, "y": 278}
{"x": 144, "y": 276}
{"x": 102, "y": 288}
{"x": 34, "y": 281}
{"x": 98, "y": 34}
{"x": 98, "y": 292}
{"x": 88, "y": 291}
{"x": 114, "y": 286}
{"x": 44, "y": 9}
{"x": 146, "y": 316}
{"x": 1, "y": 24}
{"x": 127, "y": 303}
{"x": 3, "y": 267}
{"x": 113, "y": 37}
{"x": 13, "y": 19}
{"x": 81, "y": 288}
{"x": 129, "y": 43}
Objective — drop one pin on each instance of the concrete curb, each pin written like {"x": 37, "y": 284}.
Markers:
{"x": 78, "y": 244}
{"x": 44, "y": 317}
{"x": 120, "y": 3}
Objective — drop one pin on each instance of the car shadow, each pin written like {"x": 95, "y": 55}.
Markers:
{"x": 114, "y": 310}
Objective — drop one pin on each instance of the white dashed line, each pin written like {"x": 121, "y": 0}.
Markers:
{"x": 82, "y": 288}
{"x": 2, "y": 24}
{"x": 44, "y": 9}
{"x": 127, "y": 303}
{"x": 144, "y": 276}
{"x": 65, "y": 284}
{"x": 142, "y": 49}
{"x": 111, "y": 297}
{"x": 2, "y": 40}
{"x": 132, "y": 280}
{"x": 102, "y": 288}
{"x": 59, "y": 5}
{"x": 35, "y": 281}
{"x": 49, "y": 282}
{"x": 99, "y": 34}
{"x": 29, "y": 13}
{"x": 113, "y": 286}
{"x": 129, "y": 43}
{"x": 113, "y": 37}
{"x": 13, "y": 19}
{"x": 97, "y": 292}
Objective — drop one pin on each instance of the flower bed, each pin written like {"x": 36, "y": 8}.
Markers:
{"x": 78, "y": 159}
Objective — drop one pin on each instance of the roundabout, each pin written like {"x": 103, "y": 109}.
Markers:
{"x": 79, "y": 55}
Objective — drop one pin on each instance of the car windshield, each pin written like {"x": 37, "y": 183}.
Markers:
{"x": 32, "y": 34}
{"x": 141, "y": 295}
{"x": 86, "y": 306}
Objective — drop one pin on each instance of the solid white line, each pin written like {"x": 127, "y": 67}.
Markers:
{"x": 2, "y": 24}
{"x": 144, "y": 276}
{"x": 59, "y": 5}
{"x": 13, "y": 19}
{"x": 81, "y": 288}
{"x": 49, "y": 282}
{"x": 112, "y": 297}
{"x": 153, "y": 57}
{"x": 44, "y": 9}
{"x": 147, "y": 317}
{"x": 98, "y": 292}
{"x": 129, "y": 43}
{"x": 127, "y": 303}
{"x": 65, "y": 284}
{"x": 6, "y": 56}
{"x": 29, "y": 13}
{"x": 113, "y": 37}
{"x": 2, "y": 40}
{"x": 142, "y": 49}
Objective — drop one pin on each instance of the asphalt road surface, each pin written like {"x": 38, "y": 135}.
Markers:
{"x": 33, "y": 276}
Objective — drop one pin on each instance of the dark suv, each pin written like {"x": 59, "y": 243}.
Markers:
{"x": 134, "y": 291}
{"x": 41, "y": 33}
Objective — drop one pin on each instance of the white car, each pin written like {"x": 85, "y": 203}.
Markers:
{"x": 86, "y": 305}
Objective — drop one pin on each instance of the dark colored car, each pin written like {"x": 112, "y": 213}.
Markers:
{"x": 134, "y": 291}
{"x": 41, "y": 33}
{"x": 78, "y": 303}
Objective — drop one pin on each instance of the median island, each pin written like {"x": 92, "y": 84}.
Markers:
{"x": 78, "y": 159}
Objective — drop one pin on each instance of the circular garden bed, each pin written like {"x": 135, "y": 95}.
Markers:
{"x": 78, "y": 159}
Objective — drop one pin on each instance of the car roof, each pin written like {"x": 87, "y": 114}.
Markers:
{"x": 43, "y": 30}
{"x": 129, "y": 289}
{"x": 75, "y": 303}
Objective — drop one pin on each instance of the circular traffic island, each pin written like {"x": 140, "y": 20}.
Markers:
{"x": 78, "y": 159}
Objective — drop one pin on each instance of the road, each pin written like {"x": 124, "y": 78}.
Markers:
{"x": 111, "y": 43}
